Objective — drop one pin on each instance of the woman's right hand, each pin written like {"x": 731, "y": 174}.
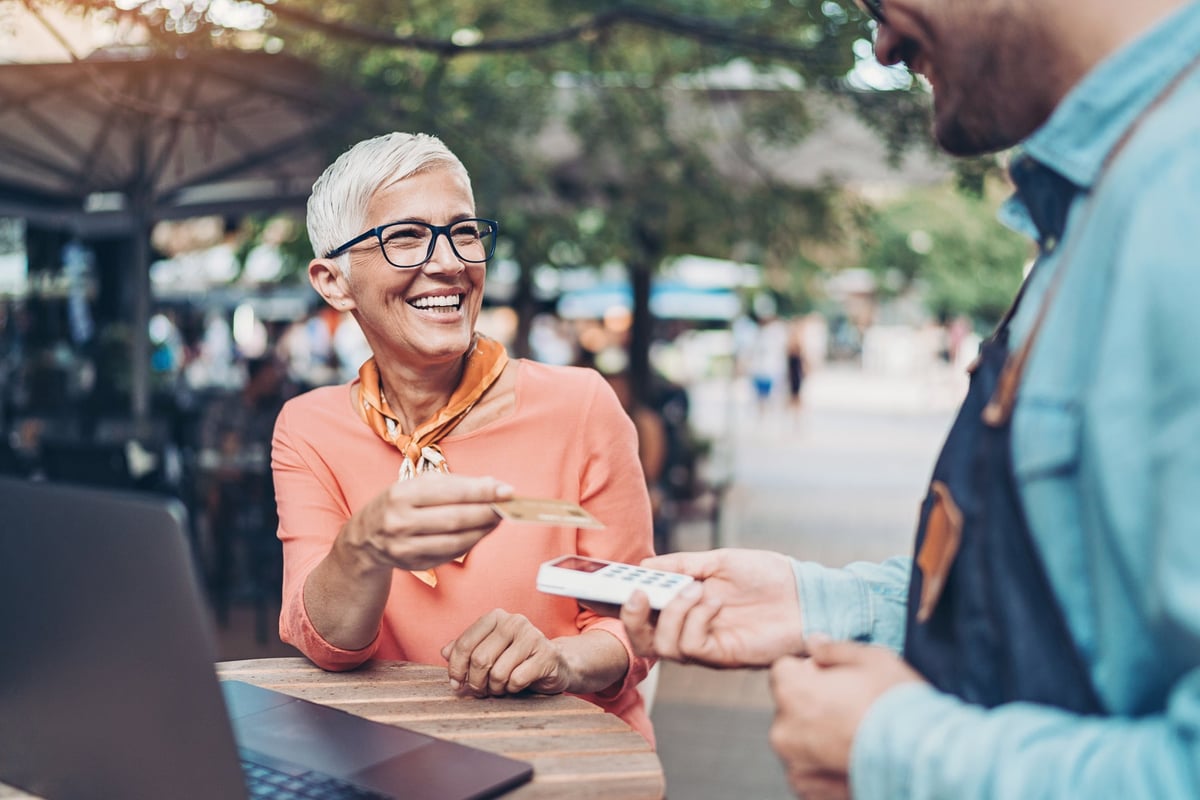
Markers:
{"x": 421, "y": 523}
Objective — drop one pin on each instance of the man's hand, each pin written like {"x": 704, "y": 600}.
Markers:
{"x": 744, "y": 612}
{"x": 820, "y": 703}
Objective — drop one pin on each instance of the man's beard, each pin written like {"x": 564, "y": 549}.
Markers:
{"x": 973, "y": 130}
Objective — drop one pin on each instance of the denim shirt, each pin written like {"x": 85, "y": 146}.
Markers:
{"x": 1106, "y": 450}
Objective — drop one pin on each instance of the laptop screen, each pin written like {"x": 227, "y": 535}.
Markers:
{"x": 107, "y": 684}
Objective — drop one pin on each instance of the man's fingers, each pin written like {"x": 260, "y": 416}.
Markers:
{"x": 671, "y": 620}
{"x": 818, "y": 785}
{"x": 782, "y": 671}
{"x": 695, "y": 635}
{"x": 827, "y": 653}
{"x": 697, "y": 565}
{"x": 635, "y": 615}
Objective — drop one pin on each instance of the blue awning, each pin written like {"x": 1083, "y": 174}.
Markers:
{"x": 667, "y": 301}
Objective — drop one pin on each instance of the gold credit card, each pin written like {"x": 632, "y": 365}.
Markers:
{"x": 541, "y": 511}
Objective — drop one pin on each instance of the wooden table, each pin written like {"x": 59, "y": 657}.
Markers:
{"x": 577, "y": 750}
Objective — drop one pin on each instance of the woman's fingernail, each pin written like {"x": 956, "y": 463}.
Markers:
{"x": 691, "y": 591}
{"x": 455, "y": 685}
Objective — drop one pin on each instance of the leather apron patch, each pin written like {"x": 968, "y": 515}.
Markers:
{"x": 943, "y": 535}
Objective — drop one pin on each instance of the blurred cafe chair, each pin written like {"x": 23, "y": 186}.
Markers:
{"x": 89, "y": 463}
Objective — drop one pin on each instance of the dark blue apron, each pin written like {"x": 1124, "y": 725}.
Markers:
{"x": 983, "y": 621}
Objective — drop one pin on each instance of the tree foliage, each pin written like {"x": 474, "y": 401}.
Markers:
{"x": 601, "y": 130}
{"x": 951, "y": 246}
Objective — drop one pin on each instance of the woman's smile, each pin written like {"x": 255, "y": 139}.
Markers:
{"x": 438, "y": 303}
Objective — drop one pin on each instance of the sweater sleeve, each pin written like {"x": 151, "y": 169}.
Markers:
{"x": 311, "y": 513}
{"x": 613, "y": 489}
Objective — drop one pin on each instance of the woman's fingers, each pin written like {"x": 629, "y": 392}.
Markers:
{"x": 429, "y": 520}
{"x": 461, "y": 656}
{"x": 496, "y": 655}
{"x": 438, "y": 489}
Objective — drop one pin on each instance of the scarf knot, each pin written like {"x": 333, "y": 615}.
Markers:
{"x": 483, "y": 363}
{"x": 425, "y": 459}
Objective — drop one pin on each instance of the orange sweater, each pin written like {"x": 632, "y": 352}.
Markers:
{"x": 567, "y": 438}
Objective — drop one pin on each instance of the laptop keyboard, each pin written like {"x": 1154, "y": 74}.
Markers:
{"x": 267, "y": 783}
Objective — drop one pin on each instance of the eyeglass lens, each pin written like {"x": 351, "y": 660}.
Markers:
{"x": 411, "y": 244}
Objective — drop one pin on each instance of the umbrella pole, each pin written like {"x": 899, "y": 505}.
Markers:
{"x": 139, "y": 347}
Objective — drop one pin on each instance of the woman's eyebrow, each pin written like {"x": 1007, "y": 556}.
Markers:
{"x": 459, "y": 217}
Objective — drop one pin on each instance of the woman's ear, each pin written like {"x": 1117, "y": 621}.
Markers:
{"x": 326, "y": 277}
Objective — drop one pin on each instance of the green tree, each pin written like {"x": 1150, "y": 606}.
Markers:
{"x": 616, "y": 141}
{"x": 950, "y": 246}
{"x": 602, "y": 124}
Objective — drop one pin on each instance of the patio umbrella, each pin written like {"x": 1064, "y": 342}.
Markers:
{"x": 113, "y": 143}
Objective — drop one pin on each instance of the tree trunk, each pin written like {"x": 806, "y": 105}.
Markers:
{"x": 524, "y": 304}
{"x": 641, "y": 279}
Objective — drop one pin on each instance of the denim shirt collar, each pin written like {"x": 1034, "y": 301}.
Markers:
{"x": 1068, "y": 152}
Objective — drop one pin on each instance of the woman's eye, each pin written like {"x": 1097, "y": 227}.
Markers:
{"x": 405, "y": 236}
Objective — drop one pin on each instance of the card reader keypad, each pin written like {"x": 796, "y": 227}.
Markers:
{"x": 640, "y": 577}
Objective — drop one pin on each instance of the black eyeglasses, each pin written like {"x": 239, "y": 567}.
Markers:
{"x": 874, "y": 9}
{"x": 408, "y": 243}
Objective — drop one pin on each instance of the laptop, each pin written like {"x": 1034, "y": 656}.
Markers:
{"x": 107, "y": 684}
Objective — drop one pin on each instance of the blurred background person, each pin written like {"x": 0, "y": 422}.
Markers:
{"x": 795, "y": 363}
{"x": 239, "y": 503}
{"x": 768, "y": 358}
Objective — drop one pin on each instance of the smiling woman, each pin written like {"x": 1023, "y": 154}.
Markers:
{"x": 386, "y": 485}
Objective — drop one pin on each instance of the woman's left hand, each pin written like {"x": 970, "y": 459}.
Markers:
{"x": 503, "y": 653}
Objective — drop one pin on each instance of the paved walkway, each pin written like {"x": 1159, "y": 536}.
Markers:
{"x": 839, "y": 482}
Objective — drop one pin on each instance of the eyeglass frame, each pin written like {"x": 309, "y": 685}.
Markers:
{"x": 436, "y": 230}
{"x": 874, "y": 10}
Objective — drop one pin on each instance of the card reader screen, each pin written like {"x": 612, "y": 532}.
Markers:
{"x": 580, "y": 564}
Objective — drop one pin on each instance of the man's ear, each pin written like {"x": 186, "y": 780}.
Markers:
{"x": 326, "y": 277}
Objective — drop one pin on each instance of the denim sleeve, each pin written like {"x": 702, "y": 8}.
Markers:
{"x": 862, "y": 601}
{"x": 916, "y": 743}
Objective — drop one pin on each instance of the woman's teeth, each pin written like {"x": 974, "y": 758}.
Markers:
{"x": 449, "y": 302}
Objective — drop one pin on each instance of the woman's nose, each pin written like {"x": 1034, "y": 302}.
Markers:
{"x": 444, "y": 258}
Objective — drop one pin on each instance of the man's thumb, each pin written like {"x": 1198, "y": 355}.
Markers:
{"x": 827, "y": 653}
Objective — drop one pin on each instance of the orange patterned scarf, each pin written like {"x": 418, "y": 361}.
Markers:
{"x": 484, "y": 362}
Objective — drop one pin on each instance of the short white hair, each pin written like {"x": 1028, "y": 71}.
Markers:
{"x": 337, "y": 207}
